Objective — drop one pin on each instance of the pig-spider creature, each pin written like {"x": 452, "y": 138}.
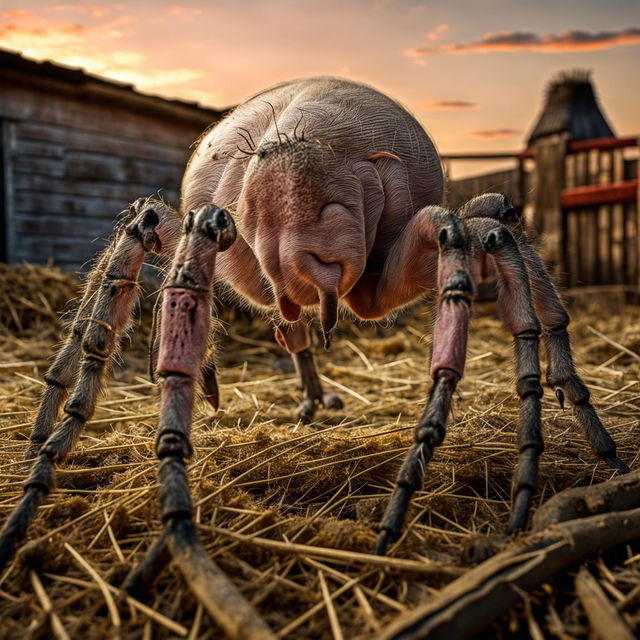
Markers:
{"x": 335, "y": 192}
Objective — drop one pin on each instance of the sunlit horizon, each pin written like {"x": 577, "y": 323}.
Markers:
{"x": 473, "y": 72}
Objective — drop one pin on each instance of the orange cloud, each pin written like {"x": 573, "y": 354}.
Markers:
{"x": 30, "y": 38}
{"x": 75, "y": 8}
{"x": 436, "y": 34}
{"x": 41, "y": 35}
{"x": 451, "y": 105}
{"x": 96, "y": 47}
{"x": 17, "y": 14}
{"x": 183, "y": 12}
{"x": 490, "y": 134}
{"x": 567, "y": 40}
{"x": 94, "y": 10}
{"x": 99, "y": 12}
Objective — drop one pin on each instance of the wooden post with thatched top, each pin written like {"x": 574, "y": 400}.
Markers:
{"x": 570, "y": 113}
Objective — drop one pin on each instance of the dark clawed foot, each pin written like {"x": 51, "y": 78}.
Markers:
{"x": 615, "y": 463}
{"x": 384, "y": 538}
{"x": 141, "y": 578}
{"x": 307, "y": 409}
{"x": 601, "y": 442}
{"x": 562, "y": 375}
{"x": 331, "y": 401}
{"x": 560, "y": 397}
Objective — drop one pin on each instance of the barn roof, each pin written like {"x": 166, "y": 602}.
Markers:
{"x": 17, "y": 68}
{"x": 571, "y": 105}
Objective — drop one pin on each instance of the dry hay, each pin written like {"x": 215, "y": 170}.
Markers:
{"x": 264, "y": 483}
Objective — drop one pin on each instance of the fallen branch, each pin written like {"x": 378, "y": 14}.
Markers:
{"x": 470, "y": 603}
{"x": 618, "y": 494}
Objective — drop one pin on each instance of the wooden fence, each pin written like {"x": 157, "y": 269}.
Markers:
{"x": 582, "y": 203}
{"x": 600, "y": 226}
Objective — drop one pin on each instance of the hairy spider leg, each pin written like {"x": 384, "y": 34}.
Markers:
{"x": 184, "y": 333}
{"x": 519, "y": 318}
{"x": 561, "y": 371}
{"x": 552, "y": 315}
{"x": 102, "y": 317}
{"x": 455, "y": 288}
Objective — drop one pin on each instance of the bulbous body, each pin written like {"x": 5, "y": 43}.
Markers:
{"x": 321, "y": 176}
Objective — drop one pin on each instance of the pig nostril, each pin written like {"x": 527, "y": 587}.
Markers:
{"x": 327, "y": 263}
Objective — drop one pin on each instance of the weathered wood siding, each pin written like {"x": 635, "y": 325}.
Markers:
{"x": 72, "y": 164}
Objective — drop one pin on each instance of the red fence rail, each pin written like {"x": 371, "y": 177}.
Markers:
{"x": 592, "y": 196}
{"x": 600, "y": 214}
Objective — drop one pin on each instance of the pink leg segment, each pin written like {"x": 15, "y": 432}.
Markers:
{"x": 186, "y": 307}
{"x": 183, "y": 341}
{"x": 185, "y": 328}
{"x": 456, "y": 294}
{"x": 447, "y": 366}
{"x": 293, "y": 338}
{"x": 450, "y": 337}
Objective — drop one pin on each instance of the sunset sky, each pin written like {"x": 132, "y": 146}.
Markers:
{"x": 472, "y": 71}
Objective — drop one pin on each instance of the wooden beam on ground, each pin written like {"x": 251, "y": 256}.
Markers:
{"x": 604, "y": 618}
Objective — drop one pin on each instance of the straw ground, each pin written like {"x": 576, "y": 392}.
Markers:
{"x": 290, "y": 511}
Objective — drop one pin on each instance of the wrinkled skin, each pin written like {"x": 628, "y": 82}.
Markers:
{"x": 336, "y": 170}
{"x": 335, "y": 190}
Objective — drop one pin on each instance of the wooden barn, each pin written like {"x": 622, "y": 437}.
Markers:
{"x": 578, "y": 186}
{"x": 76, "y": 148}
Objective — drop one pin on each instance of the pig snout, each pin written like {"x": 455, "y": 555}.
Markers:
{"x": 329, "y": 253}
{"x": 322, "y": 272}
{"x": 310, "y": 272}
{"x": 306, "y": 279}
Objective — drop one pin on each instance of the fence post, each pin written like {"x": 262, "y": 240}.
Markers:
{"x": 521, "y": 191}
{"x": 638, "y": 219}
{"x": 550, "y": 154}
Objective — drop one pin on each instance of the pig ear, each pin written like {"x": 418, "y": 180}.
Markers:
{"x": 384, "y": 154}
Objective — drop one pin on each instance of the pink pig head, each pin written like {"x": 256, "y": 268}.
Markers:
{"x": 302, "y": 213}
